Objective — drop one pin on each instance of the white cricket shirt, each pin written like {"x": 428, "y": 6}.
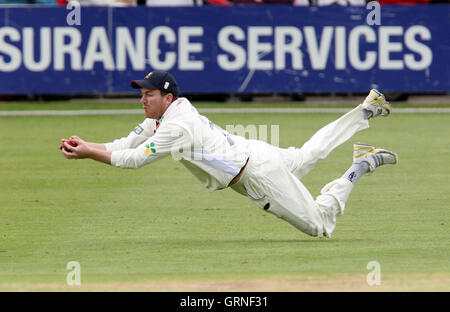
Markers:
{"x": 212, "y": 154}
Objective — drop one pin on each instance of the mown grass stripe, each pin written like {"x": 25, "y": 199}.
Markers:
{"x": 217, "y": 111}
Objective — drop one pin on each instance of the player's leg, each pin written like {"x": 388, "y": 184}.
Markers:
{"x": 366, "y": 158}
{"x": 302, "y": 160}
{"x": 334, "y": 195}
{"x": 271, "y": 186}
{"x": 274, "y": 188}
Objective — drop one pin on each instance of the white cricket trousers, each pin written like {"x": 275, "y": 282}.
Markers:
{"x": 272, "y": 177}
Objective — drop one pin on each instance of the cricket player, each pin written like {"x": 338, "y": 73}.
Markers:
{"x": 268, "y": 175}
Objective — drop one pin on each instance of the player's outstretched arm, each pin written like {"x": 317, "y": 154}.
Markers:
{"x": 84, "y": 150}
{"x": 100, "y": 146}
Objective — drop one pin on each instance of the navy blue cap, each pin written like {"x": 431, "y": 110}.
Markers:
{"x": 158, "y": 79}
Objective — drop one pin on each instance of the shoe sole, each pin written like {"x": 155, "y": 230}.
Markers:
{"x": 382, "y": 150}
{"x": 380, "y": 97}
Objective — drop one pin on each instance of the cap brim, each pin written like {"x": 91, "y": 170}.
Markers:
{"x": 139, "y": 84}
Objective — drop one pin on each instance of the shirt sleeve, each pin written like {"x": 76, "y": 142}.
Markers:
{"x": 136, "y": 137}
{"x": 169, "y": 139}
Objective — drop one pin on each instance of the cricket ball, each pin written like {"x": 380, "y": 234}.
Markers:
{"x": 70, "y": 143}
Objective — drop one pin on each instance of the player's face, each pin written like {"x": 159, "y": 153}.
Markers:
{"x": 154, "y": 103}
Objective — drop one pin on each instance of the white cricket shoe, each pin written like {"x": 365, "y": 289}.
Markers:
{"x": 376, "y": 103}
{"x": 375, "y": 157}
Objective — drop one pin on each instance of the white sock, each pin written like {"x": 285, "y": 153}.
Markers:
{"x": 356, "y": 171}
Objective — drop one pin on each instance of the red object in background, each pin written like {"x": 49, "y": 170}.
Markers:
{"x": 219, "y": 2}
{"x": 404, "y": 2}
{"x": 263, "y": 2}
{"x": 62, "y": 2}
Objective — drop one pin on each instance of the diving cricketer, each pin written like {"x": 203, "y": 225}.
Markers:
{"x": 268, "y": 175}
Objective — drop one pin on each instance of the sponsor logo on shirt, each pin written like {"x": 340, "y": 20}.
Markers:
{"x": 149, "y": 148}
{"x": 138, "y": 130}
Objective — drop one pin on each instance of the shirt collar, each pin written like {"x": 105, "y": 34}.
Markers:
{"x": 168, "y": 110}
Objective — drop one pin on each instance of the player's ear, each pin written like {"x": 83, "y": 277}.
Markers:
{"x": 169, "y": 97}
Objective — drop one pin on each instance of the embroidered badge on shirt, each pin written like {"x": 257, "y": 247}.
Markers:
{"x": 138, "y": 130}
{"x": 149, "y": 148}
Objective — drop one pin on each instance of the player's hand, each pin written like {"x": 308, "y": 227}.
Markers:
{"x": 62, "y": 143}
{"x": 79, "y": 151}
{"x": 74, "y": 137}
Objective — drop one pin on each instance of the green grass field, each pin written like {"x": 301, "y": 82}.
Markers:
{"x": 158, "y": 229}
